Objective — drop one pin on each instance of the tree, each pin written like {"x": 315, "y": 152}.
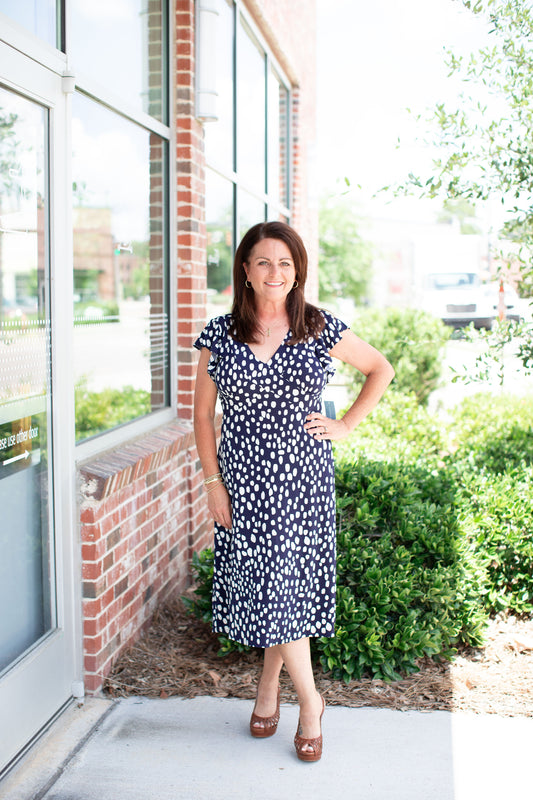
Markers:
{"x": 462, "y": 212}
{"x": 486, "y": 143}
{"x": 345, "y": 258}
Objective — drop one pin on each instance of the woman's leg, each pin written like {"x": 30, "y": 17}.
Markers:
{"x": 267, "y": 689}
{"x": 297, "y": 658}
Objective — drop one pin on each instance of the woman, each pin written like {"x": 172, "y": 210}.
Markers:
{"x": 270, "y": 487}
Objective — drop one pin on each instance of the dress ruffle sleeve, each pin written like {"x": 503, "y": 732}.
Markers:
{"x": 214, "y": 337}
{"x": 332, "y": 333}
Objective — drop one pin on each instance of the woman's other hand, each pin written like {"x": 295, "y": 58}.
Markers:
{"x": 219, "y": 505}
{"x": 320, "y": 427}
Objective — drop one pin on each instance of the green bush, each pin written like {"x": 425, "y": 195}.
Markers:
{"x": 200, "y": 605}
{"x": 100, "y": 312}
{"x": 399, "y": 429}
{"x": 499, "y": 510}
{"x": 97, "y": 412}
{"x": 412, "y": 340}
{"x": 408, "y": 581}
{"x": 493, "y": 433}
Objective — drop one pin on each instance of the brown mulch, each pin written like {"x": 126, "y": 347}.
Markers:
{"x": 178, "y": 656}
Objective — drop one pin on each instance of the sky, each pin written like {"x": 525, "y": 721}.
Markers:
{"x": 376, "y": 59}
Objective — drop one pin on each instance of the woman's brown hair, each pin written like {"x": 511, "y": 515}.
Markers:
{"x": 305, "y": 320}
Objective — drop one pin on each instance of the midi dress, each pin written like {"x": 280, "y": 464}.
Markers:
{"x": 274, "y": 571}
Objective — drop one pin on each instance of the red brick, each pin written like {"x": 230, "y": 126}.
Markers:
{"x": 90, "y": 627}
{"x": 93, "y": 644}
{"x": 92, "y": 551}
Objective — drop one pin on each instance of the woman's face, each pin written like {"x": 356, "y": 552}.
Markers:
{"x": 270, "y": 269}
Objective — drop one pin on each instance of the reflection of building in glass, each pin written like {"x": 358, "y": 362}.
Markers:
{"x": 94, "y": 274}
{"x": 105, "y": 269}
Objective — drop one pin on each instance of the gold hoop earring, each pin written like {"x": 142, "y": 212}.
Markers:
{"x": 247, "y": 284}
{"x": 295, "y": 285}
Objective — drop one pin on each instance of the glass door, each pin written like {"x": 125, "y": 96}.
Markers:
{"x": 27, "y": 564}
{"x": 39, "y": 658}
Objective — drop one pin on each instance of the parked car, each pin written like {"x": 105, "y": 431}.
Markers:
{"x": 459, "y": 298}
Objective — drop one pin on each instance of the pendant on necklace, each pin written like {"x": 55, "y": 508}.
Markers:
{"x": 268, "y": 331}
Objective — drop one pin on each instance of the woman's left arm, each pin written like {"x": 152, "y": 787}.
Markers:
{"x": 379, "y": 373}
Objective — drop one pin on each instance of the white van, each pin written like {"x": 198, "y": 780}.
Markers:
{"x": 459, "y": 298}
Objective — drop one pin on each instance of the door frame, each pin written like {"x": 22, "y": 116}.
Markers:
{"x": 46, "y": 678}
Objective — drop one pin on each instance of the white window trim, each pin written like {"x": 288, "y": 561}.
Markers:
{"x": 25, "y": 42}
{"x": 100, "y": 94}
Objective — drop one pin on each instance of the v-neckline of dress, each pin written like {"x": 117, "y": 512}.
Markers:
{"x": 274, "y": 354}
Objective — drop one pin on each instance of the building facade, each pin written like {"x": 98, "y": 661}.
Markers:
{"x": 138, "y": 141}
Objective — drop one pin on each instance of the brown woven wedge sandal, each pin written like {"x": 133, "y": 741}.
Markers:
{"x": 315, "y": 744}
{"x": 268, "y": 726}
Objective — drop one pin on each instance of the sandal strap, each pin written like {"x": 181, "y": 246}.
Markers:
{"x": 315, "y": 744}
{"x": 267, "y": 721}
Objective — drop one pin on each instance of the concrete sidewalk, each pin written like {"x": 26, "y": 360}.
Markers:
{"x": 201, "y": 749}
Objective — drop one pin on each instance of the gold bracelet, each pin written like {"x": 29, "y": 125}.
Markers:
{"x": 212, "y": 478}
{"x": 219, "y": 483}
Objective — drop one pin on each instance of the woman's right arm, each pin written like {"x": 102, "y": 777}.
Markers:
{"x": 205, "y": 398}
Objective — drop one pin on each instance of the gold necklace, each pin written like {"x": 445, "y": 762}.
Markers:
{"x": 266, "y": 331}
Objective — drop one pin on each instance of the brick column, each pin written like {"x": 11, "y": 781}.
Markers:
{"x": 191, "y": 231}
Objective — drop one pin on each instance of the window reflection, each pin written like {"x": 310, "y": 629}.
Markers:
{"x": 251, "y": 211}
{"x": 261, "y": 141}
{"x": 25, "y": 566}
{"x": 40, "y": 18}
{"x": 277, "y": 139}
{"x": 129, "y": 55}
{"x": 219, "y": 134}
{"x": 219, "y": 222}
{"x": 250, "y": 111}
{"x": 121, "y": 325}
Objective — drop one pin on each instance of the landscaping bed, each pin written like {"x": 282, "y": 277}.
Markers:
{"x": 178, "y": 656}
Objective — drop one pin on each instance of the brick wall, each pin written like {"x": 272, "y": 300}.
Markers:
{"x": 142, "y": 514}
{"x": 191, "y": 231}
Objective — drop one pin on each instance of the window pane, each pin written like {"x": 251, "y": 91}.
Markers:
{"x": 37, "y": 17}
{"x": 275, "y": 214}
{"x": 26, "y": 572}
{"x": 219, "y": 219}
{"x": 219, "y": 134}
{"x": 250, "y": 111}
{"x": 251, "y": 211}
{"x": 121, "y": 323}
{"x": 277, "y": 140}
{"x": 120, "y": 44}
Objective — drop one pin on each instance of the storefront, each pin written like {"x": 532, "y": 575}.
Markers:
{"x": 138, "y": 140}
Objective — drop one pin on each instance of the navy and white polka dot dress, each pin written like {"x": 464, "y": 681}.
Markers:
{"x": 274, "y": 579}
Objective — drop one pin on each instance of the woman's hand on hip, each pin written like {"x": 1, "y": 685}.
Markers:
{"x": 219, "y": 505}
{"x": 320, "y": 427}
